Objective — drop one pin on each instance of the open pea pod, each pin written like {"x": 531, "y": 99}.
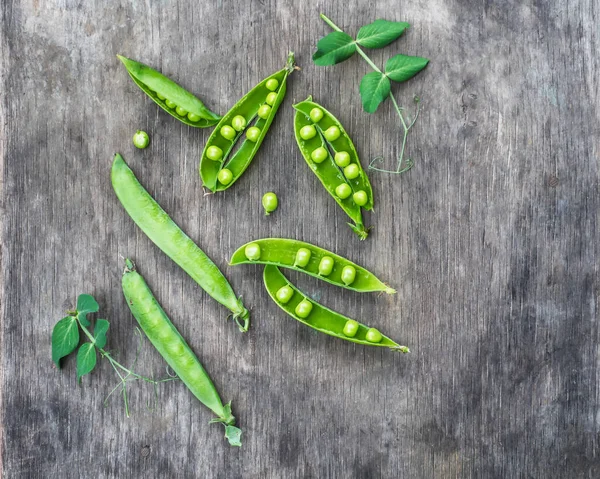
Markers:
{"x": 312, "y": 260}
{"x": 221, "y": 165}
{"x": 311, "y": 139}
{"x": 295, "y": 303}
{"x": 171, "y": 97}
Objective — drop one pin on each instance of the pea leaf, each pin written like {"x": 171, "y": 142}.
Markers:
{"x": 403, "y": 67}
{"x": 86, "y": 304}
{"x": 100, "y": 329}
{"x": 86, "y": 359}
{"x": 65, "y": 338}
{"x": 380, "y": 33}
{"x": 334, "y": 48}
{"x": 374, "y": 88}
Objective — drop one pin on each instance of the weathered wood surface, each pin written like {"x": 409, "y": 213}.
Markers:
{"x": 491, "y": 241}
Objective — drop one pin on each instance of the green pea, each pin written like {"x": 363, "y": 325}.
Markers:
{"x": 319, "y": 154}
{"x": 351, "y": 171}
{"x": 332, "y": 133}
{"x": 342, "y": 159}
{"x": 170, "y": 104}
{"x": 181, "y": 111}
{"x": 326, "y": 265}
{"x": 227, "y": 132}
{"x": 264, "y": 111}
{"x": 175, "y": 347}
{"x": 253, "y": 133}
{"x": 252, "y": 251}
{"x": 269, "y": 202}
{"x": 307, "y": 132}
{"x": 160, "y": 97}
{"x": 348, "y": 275}
{"x": 214, "y": 153}
{"x": 193, "y": 117}
{"x": 343, "y": 190}
{"x": 224, "y": 176}
{"x": 304, "y": 308}
{"x": 141, "y": 139}
{"x": 302, "y": 257}
{"x": 272, "y": 84}
{"x": 350, "y": 328}
{"x": 374, "y": 336}
{"x": 316, "y": 114}
{"x": 360, "y": 198}
{"x": 284, "y": 294}
{"x": 271, "y": 98}
{"x": 238, "y": 122}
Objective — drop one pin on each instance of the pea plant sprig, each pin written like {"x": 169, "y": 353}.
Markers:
{"x": 375, "y": 86}
{"x": 66, "y": 338}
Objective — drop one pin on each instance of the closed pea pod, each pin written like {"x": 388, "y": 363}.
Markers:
{"x": 163, "y": 231}
{"x": 252, "y": 115}
{"x": 169, "y": 95}
{"x": 314, "y": 261}
{"x": 174, "y": 349}
{"x": 318, "y": 317}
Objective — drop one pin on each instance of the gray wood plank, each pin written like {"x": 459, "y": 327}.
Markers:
{"x": 491, "y": 241}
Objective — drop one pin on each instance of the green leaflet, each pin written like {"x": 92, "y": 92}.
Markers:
{"x": 86, "y": 304}
{"x": 100, "y": 329}
{"x": 334, "y": 48}
{"x": 374, "y": 88}
{"x": 380, "y": 33}
{"x": 65, "y": 338}
{"x": 86, "y": 359}
{"x": 403, "y": 67}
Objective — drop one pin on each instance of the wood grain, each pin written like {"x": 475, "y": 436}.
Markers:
{"x": 491, "y": 241}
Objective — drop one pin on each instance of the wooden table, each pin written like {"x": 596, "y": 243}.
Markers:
{"x": 491, "y": 240}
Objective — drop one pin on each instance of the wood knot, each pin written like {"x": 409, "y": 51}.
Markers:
{"x": 145, "y": 451}
{"x": 553, "y": 181}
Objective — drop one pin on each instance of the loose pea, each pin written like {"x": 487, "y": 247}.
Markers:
{"x": 284, "y": 294}
{"x": 316, "y": 114}
{"x": 160, "y": 97}
{"x": 302, "y": 257}
{"x": 271, "y": 98}
{"x": 304, "y": 308}
{"x": 351, "y": 171}
{"x": 307, "y": 132}
{"x": 348, "y": 275}
{"x": 343, "y": 190}
{"x": 252, "y": 251}
{"x": 272, "y": 84}
{"x": 224, "y": 176}
{"x": 373, "y": 335}
{"x": 253, "y": 133}
{"x": 181, "y": 111}
{"x": 193, "y": 117}
{"x": 350, "y": 328}
{"x": 264, "y": 111}
{"x": 326, "y": 265}
{"x": 332, "y": 133}
{"x": 238, "y": 122}
{"x": 360, "y": 198}
{"x": 141, "y": 139}
{"x": 269, "y": 202}
{"x": 319, "y": 154}
{"x": 214, "y": 153}
{"x": 227, "y": 132}
{"x": 342, "y": 159}
{"x": 170, "y": 104}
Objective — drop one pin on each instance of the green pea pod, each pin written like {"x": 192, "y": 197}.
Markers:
{"x": 330, "y": 175}
{"x": 165, "y": 92}
{"x": 321, "y": 318}
{"x": 283, "y": 252}
{"x": 342, "y": 144}
{"x": 163, "y": 231}
{"x": 236, "y": 162}
{"x": 174, "y": 349}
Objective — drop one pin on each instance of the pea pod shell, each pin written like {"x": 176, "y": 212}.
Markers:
{"x": 282, "y": 252}
{"x": 328, "y": 173}
{"x": 343, "y": 143}
{"x": 247, "y": 107}
{"x": 163, "y": 231}
{"x": 151, "y": 81}
{"x": 320, "y": 318}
